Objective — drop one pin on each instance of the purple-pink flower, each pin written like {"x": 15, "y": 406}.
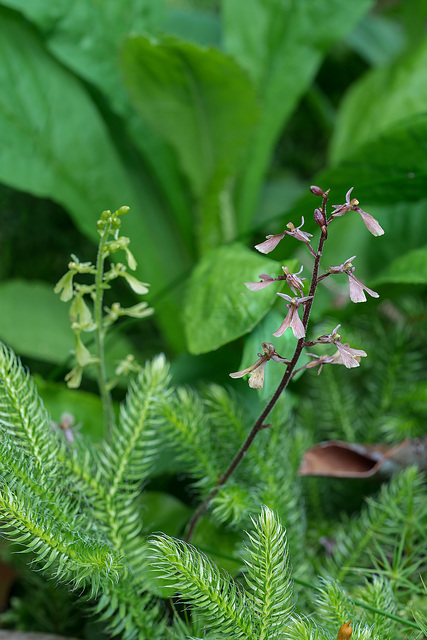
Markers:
{"x": 264, "y": 282}
{"x": 257, "y": 370}
{"x": 357, "y": 288}
{"x": 293, "y": 280}
{"x": 292, "y": 319}
{"x": 353, "y": 205}
{"x": 350, "y": 357}
{"x": 272, "y": 241}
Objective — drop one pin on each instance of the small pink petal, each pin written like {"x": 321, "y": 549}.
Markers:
{"x": 356, "y": 290}
{"x": 371, "y": 223}
{"x": 257, "y": 286}
{"x": 269, "y": 244}
{"x": 297, "y": 326}
{"x": 285, "y": 324}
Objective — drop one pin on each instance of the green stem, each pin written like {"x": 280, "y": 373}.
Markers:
{"x": 107, "y": 403}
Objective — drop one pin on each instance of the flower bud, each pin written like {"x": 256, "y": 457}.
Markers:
{"x": 317, "y": 191}
{"x": 319, "y": 218}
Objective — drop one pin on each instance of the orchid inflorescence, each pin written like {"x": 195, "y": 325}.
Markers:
{"x": 345, "y": 355}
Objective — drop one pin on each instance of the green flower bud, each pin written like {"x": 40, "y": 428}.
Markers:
{"x": 65, "y": 285}
{"x": 136, "y": 285}
{"x": 83, "y": 355}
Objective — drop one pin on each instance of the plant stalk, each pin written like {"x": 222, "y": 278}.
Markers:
{"x": 107, "y": 402}
{"x": 259, "y": 423}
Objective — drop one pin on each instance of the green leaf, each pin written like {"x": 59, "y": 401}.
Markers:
{"x": 84, "y": 406}
{"x": 400, "y": 93}
{"x": 391, "y": 168}
{"x": 87, "y": 37}
{"x": 410, "y": 268}
{"x": 282, "y": 46}
{"x": 204, "y": 106}
{"x": 164, "y": 512}
{"x": 34, "y": 322}
{"x": 219, "y": 308}
{"x": 56, "y": 145}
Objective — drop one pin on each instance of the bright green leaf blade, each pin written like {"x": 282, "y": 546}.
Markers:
{"x": 387, "y": 97}
{"x": 204, "y": 106}
{"x": 84, "y": 406}
{"x": 410, "y": 268}
{"x": 87, "y": 37}
{"x": 391, "y": 168}
{"x": 34, "y": 322}
{"x": 377, "y": 39}
{"x": 55, "y": 144}
{"x": 163, "y": 512}
{"x": 281, "y": 45}
{"x": 219, "y": 308}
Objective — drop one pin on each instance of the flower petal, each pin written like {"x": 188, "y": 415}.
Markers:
{"x": 240, "y": 374}
{"x": 297, "y": 325}
{"x": 256, "y": 381}
{"x": 371, "y": 223}
{"x": 285, "y": 324}
{"x": 269, "y": 244}
{"x": 356, "y": 290}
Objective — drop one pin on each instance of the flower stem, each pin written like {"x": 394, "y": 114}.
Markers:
{"x": 259, "y": 423}
{"x": 107, "y": 403}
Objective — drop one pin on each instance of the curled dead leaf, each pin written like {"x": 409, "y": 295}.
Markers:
{"x": 337, "y": 459}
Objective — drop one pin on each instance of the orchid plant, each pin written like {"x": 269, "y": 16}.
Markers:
{"x": 344, "y": 355}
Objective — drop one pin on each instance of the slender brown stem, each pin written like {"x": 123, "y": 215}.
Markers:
{"x": 259, "y": 424}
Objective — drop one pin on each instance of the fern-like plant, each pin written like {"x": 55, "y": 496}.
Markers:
{"x": 262, "y": 607}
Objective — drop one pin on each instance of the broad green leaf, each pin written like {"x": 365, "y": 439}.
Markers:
{"x": 387, "y": 97}
{"x": 204, "y": 106}
{"x": 164, "y": 512}
{"x": 390, "y": 169}
{"x": 377, "y": 39}
{"x": 410, "y": 268}
{"x": 84, "y": 406}
{"x": 282, "y": 46}
{"x": 34, "y": 322}
{"x": 55, "y": 144}
{"x": 196, "y": 25}
{"x": 219, "y": 308}
{"x": 87, "y": 37}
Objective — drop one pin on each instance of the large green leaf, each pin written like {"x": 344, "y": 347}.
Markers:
{"x": 34, "y": 322}
{"x": 386, "y": 97}
{"x": 410, "y": 268}
{"x": 391, "y": 168}
{"x": 55, "y": 144}
{"x": 281, "y": 44}
{"x": 219, "y": 308}
{"x": 87, "y": 37}
{"x": 85, "y": 407}
{"x": 204, "y": 106}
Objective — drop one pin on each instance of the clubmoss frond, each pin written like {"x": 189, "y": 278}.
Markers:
{"x": 60, "y": 547}
{"x": 130, "y": 614}
{"x": 22, "y": 413}
{"x": 214, "y": 594}
{"x": 269, "y": 574}
{"x": 378, "y": 593}
{"x": 302, "y": 628}
{"x": 127, "y": 460}
{"x": 395, "y": 521}
{"x": 333, "y": 603}
{"x": 187, "y": 426}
